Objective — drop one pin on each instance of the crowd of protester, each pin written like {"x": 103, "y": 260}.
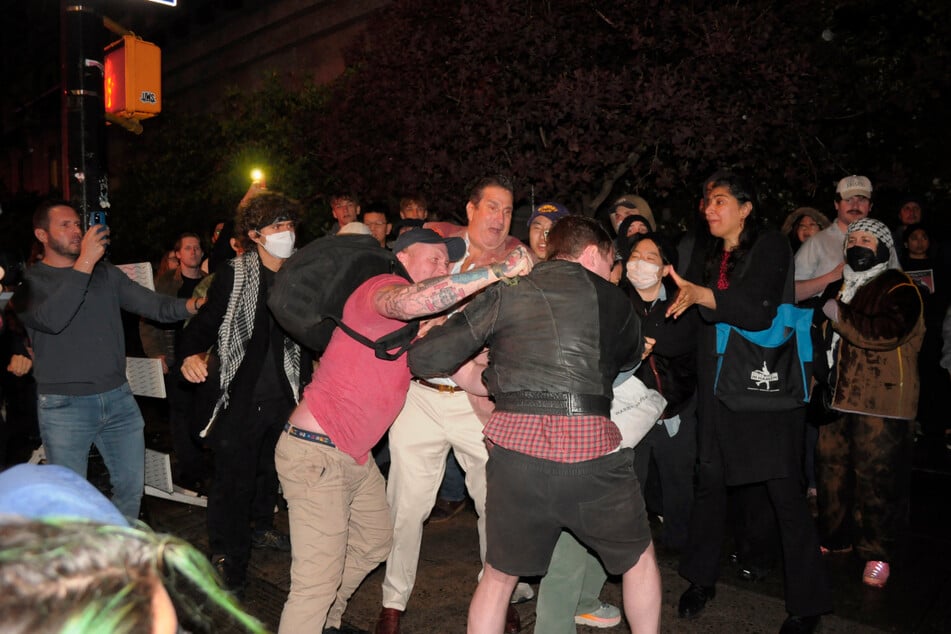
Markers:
{"x": 363, "y": 471}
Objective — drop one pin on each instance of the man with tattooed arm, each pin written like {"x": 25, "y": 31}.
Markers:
{"x": 339, "y": 520}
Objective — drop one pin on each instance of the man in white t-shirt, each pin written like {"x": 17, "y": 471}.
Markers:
{"x": 820, "y": 259}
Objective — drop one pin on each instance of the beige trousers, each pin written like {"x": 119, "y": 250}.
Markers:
{"x": 430, "y": 424}
{"x": 340, "y": 530}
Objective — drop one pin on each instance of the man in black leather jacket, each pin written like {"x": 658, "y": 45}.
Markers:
{"x": 556, "y": 342}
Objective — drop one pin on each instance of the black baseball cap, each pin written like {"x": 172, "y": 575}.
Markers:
{"x": 455, "y": 246}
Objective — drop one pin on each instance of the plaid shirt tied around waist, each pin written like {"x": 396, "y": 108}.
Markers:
{"x": 554, "y": 437}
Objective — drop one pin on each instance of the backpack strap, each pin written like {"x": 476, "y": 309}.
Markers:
{"x": 400, "y": 339}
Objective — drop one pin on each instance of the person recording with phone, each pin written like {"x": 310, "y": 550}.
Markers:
{"x": 70, "y": 304}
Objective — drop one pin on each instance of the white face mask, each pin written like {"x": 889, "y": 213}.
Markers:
{"x": 643, "y": 274}
{"x": 280, "y": 244}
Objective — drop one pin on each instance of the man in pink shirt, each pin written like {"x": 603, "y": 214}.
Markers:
{"x": 339, "y": 520}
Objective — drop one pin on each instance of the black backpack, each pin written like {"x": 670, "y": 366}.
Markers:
{"x": 312, "y": 286}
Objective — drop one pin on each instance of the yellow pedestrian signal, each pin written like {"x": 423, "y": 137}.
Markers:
{"x": 133, "y": 78}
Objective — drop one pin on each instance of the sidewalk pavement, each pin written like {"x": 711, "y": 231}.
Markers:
{"x": 449, "y": 565}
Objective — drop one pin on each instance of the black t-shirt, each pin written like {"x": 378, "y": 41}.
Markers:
{"x": 188, "y": 286}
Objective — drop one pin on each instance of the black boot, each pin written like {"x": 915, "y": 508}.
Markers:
{"x": 694, "y": 599}
{"x": 800, "y": 625}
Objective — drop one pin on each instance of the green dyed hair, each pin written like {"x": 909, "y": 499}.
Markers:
{"x": 74, "y": 577}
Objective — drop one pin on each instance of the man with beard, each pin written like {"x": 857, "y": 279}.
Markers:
{"x": 70, "y": 305}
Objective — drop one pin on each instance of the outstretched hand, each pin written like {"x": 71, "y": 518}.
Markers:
{"x": 688, "y": 295}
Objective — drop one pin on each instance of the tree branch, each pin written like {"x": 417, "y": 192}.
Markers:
{"x": 608, "y": 183}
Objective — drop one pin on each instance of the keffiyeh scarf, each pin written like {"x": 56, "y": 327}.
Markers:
{"x": 238, "y": 326}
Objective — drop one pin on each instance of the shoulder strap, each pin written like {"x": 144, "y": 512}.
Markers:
{"x": 400, "y": 339}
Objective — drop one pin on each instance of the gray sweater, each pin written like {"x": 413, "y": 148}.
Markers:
{"x": 75, "y": 326}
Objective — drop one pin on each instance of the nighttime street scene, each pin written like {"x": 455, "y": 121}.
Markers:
{"x": 403, "y": 316}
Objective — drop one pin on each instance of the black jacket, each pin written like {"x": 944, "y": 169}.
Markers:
{"x": 753, "y": 446}
{"x": 559, "y": 329}
{"x": 671, "y": 368}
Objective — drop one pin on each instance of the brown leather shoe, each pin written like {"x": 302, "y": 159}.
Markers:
{"x": 513, "y": 622}
{"x": 389, "y": 621}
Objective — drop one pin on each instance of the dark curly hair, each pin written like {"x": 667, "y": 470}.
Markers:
{"x": 262, "y": 210}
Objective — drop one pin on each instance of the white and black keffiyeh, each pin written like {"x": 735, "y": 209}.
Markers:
{"x": 237, "y": 328}
{"x": 853, "y": 280}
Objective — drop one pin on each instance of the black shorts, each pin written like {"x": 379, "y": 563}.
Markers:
{"x": 529, "y": 501}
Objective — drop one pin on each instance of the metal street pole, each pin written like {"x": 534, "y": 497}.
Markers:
{"x": 87, "y": 186}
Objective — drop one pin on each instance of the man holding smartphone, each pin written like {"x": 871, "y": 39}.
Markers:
{"x": 70, "y": 303}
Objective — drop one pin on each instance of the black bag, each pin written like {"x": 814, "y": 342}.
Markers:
{"x": 767, "y": 370}
{"x": 312, "y": 286}
{"x": 820, "y": 410}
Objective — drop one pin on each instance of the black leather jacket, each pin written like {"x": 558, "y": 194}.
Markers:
{"x": 560, "y": 329}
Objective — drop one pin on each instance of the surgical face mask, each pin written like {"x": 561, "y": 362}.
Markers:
{"x": 643, "y": 274}
{"x": 860, "y": 258}
{"x": 280, "y": 244}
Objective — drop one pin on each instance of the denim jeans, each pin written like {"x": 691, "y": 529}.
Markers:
{"x": 112, "y": 422}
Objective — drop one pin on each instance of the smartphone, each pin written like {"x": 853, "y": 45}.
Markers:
{"x": 97, "y": 218}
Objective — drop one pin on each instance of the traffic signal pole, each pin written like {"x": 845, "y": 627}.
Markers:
{"x": 86, "y": 183}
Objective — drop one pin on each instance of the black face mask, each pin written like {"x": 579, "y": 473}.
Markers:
{"x": 860, "y": 258}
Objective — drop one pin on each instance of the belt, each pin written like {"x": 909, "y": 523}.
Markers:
{"x": 554, "y": 403}
{"x": 452, "y": 389}
{"x": 311, "y": 436}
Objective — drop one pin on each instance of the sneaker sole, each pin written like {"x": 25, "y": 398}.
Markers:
{"x": 602, "y": 624}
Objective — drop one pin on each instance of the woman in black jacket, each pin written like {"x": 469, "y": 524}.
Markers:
{"x": 748, "y": 274}
{"x": 671, "y": 369}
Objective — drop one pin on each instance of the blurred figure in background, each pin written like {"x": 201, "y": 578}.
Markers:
{"x": 802, "y": 224}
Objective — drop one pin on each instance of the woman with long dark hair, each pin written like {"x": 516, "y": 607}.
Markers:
{"x": 748, "y": 274}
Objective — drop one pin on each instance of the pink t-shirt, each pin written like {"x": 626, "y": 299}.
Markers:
{"x": 354, "y": 395}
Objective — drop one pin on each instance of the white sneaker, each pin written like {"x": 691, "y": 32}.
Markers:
{"x": 523, "y": 592}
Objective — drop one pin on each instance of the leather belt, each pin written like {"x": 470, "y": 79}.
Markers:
{"x": 554, "y": 403}
{"x": 451, "y": 389}
{"x": 310, "y": 436}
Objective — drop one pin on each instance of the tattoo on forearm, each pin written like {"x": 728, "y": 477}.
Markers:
{"x": 434, "y": 295}
{"x": 469, "y": 276}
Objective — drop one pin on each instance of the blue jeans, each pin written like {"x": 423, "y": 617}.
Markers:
{"x": 112, "y": 422}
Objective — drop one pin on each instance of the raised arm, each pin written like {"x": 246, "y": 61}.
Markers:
{"x": 440, "y": 293}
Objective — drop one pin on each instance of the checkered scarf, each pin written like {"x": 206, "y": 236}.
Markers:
{"x": 238, "y": 326}
{"x": 852, "y": 281}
